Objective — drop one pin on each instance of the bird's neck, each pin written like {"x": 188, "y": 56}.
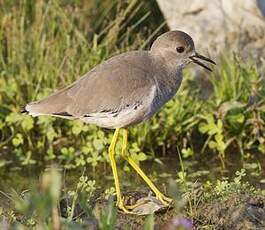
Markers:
{"x": 168, "y": 65}
{"x": 169, "y": 61}
{"x": 170, "y": 73}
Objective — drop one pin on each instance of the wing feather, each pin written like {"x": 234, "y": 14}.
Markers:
{"x": 117, "y": 83}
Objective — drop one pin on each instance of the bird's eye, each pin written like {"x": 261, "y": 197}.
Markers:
{"x": 180, "y": 49}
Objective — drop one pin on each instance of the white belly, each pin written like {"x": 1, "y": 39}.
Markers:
{"x": 154, "y": 100}
{"x": 122, "y": 119}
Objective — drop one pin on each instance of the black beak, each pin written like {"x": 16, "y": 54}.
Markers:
{"x": 193, "y": 58}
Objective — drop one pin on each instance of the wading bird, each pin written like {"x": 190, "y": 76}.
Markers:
{"x": 125, "y": 90}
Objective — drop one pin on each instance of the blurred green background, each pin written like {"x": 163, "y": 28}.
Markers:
{"x": 46, "y": 45}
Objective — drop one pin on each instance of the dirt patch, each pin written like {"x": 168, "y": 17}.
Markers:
{"x": 237, "y": 211}
{"x": 234, "y": 212}
{"x": 100, "y": 207}
{"x": 127, "y": 221}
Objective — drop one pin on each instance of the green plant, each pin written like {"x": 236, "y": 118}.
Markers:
{"x": 83, "y": 186}
{"x": 149, "y": 223}
{"x": 37, "y": 208}
{"x": 48, "y": 48}
{"x": 53, "y": 47}
{"x": 223, "y": 188}
{"x": 108, "y": 217}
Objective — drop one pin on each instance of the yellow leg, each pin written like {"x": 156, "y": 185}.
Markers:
{"x": 120, "y": 199}
{"x": 165, "y": 200}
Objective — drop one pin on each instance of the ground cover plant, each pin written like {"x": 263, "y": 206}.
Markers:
{"x": 45, "y": 45}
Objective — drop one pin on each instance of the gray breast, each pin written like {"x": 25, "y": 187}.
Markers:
{"x": 165, "y": 90}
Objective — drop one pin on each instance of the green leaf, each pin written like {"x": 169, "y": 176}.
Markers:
{"x": 77, "y": 127}
{"x": 98, "y": 144}
{"x": 141, "y": 156}
{"x": 17, "y": 140}
{"x": 51, "y": 134}
{"x": 187, "y": 152}
{"x": 212, "y": 144}
{"x": 203, "y": 128}
{"x": 27, "y": 123}
{"x": 13, "y": 118}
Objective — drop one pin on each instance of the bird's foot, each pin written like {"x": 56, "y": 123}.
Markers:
{"x": 145, "y": 205}
{"x": 164, "y": 199}
{"x": 129, "y": 209}
{"x": 126, "y": 209}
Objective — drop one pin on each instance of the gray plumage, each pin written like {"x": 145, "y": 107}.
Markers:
{"x": 126, "y": 89}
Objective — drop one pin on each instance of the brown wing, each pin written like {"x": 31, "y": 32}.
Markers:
{"x": 119, "y": 82}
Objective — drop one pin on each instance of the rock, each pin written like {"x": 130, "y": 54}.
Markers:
{"x": 148, "y": 205}
{"x": 138, "y": 202}
{"x": 220, "y": 26}
{"x": 136, "y": 220}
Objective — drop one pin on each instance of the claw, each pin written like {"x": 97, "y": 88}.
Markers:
{"x": 122, "y": 207}
{"x": 164, "y": 200}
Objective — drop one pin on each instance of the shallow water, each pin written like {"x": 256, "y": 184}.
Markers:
{"x": 206, "y": 167}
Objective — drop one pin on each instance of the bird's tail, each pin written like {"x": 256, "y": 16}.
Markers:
{"x": 53, "y": 105}
{"x": 33, "y": 109}
{"x": 23, "y": 110}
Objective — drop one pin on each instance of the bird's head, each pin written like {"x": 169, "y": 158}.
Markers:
{"x": 179, "y": 47}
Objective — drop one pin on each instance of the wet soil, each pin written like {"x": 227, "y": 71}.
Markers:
{"x": 234, "y": 212}
{"x": 237, "y": 211}
{"x": 99, "y": 205}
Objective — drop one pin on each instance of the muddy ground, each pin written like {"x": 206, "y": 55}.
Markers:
{"x": 238, "y": 211}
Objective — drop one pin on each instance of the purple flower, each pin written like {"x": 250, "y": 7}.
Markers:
{"x": 180, "y": 221}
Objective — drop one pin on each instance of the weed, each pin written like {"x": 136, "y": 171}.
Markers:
{"x": 50, "y": 51}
